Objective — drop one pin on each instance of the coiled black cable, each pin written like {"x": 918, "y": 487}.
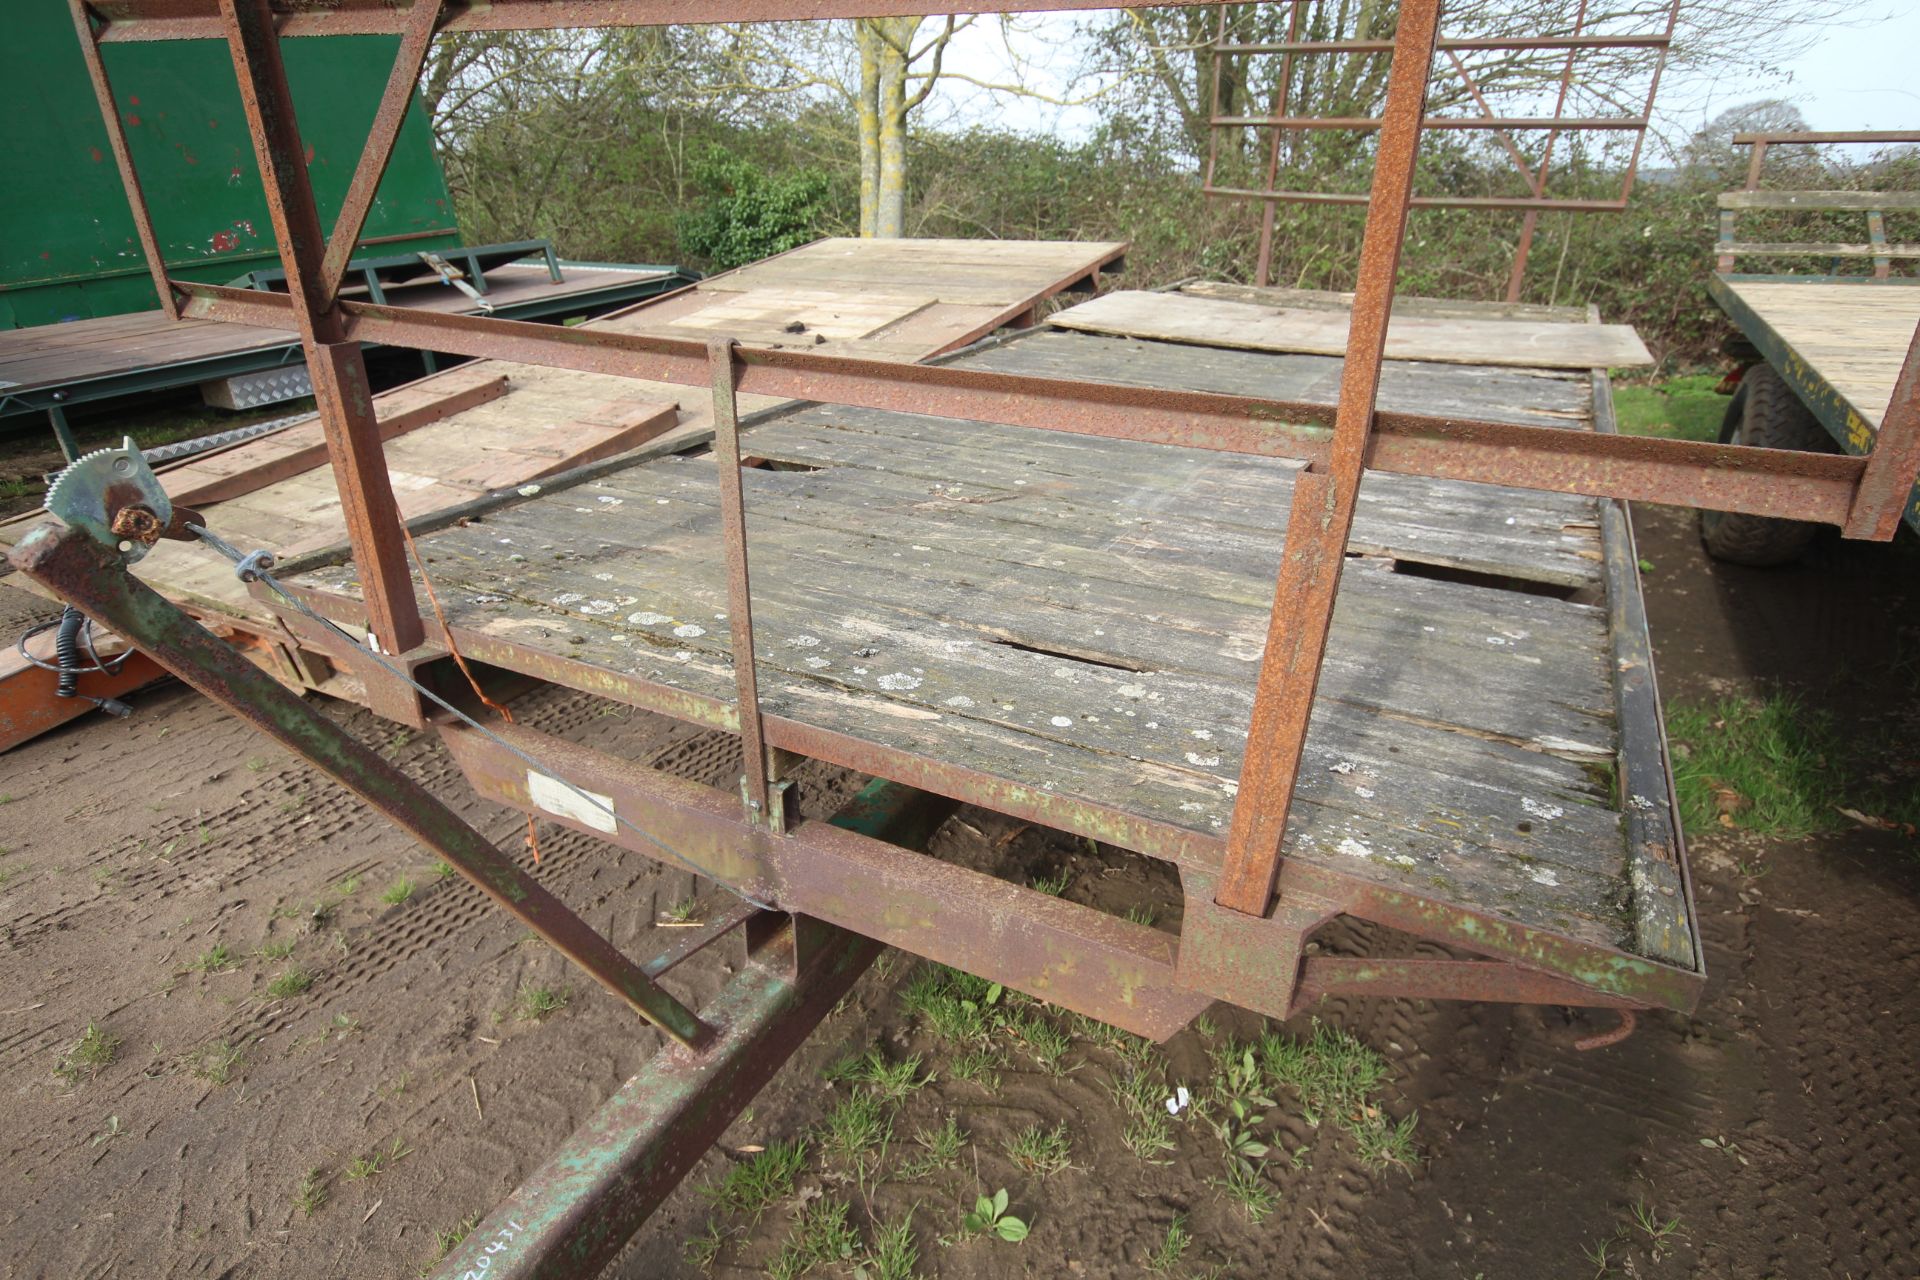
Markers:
{"x": 75, "y": 656}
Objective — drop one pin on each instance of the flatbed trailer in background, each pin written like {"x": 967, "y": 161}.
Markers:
{"x": 1829, "y": 347}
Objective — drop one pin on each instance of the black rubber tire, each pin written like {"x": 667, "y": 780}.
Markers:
{"x": 1766, "y": 414}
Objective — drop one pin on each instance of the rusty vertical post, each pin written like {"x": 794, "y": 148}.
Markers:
{"x": 1886, "y": 486}
{"x": 1754, "y": 162}
{"x": 1263, "y": 266}
{"x": 1323, "y": 499}
{"x": 1532, "y": 220}
{"x": 733, "y": 523}
{"x": 123, "y": 158}
{"x": 339, "y": 371}
{"x": 1213, "y": 130}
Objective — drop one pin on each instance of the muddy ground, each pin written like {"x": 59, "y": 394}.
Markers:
{"x": 337, "y": 1122}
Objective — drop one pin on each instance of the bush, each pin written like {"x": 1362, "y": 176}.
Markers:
{"x": 749, "y": 215}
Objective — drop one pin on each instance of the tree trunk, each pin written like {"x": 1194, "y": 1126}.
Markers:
{"x": 868, "y": 40}
{"x": 885, "y": 46}
{"x": 890, "y": 213}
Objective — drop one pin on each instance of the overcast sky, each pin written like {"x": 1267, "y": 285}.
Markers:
{"x": 1865, "y": 76}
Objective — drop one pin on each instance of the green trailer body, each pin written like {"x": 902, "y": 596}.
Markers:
{"x": 67, "y": 245}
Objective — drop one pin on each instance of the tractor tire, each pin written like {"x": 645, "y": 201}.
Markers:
{"x": 1765, "y": 414}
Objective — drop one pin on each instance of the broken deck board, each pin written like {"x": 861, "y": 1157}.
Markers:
{"x": 902, "y": 300}
{"x": 1181, "y": 317}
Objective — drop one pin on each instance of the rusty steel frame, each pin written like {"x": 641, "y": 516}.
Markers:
{"x": 1537, "y": 201}
{"x": 1825, "y": 488}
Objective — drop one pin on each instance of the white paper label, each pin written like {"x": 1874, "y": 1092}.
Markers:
{"x": 565, "y": 801}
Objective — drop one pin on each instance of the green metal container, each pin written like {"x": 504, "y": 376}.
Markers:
{"x": 67, "y": 243}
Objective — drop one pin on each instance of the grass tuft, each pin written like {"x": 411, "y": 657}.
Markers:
{"x": 312, "y": 1193}
{"x": 1764, "y": 766}
{"x": 91, "y": 1054}
{"x": 1173, "y": 1248}
{"x": 857, "y": 1127}
{"x": 214, "y": 959}
{"x": 535, "y": 1003}
{"x": 379, "y": 1162}
{"x": 1685, "y": 408}
{"x": 939, "y": 1149}
{"x": 762, "y": 1180}
{"x": 895, "y": 1255}
{"x": 398, "y": 892}
{"x": 1040, "y": 1151}
{"x": 216, "y": 1063}
{"x": 293, "y": 982}
{"x": 821, "y": 1237}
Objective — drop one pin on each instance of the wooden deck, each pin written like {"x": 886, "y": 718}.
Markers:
{"x": 1851, "y": 337}
{"x": 1082, "y": 619}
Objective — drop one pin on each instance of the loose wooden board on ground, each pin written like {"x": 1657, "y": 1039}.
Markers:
{"x": 1181, "y": 317}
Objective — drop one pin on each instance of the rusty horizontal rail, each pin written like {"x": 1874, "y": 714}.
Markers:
{"x": 1456, "y": 44}
{"x": 137, "y": 20}
{"x": 1844, "y": 135}
{"x": 1804, "y": 486}
{"x": 1359, "y": 200}
{"x": 1567, "y": 123}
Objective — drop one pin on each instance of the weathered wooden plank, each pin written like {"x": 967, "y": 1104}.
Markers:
{"x": 258, "y": 463}
{"x": 1425, "y": 308}
{"x": 1527, "y": 397}
{"x": 1218, "y": 322}
{"x": 1860, "y": 200}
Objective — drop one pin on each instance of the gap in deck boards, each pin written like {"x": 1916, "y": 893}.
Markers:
{"x": 1476, "y": 578}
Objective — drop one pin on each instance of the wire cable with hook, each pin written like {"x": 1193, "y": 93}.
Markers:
{"x": 255, "y": 567}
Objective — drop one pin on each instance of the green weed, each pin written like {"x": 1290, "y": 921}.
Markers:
{"x": 856, "y": 1128}
{"x": 1765, "y": 766}
{"x": 216, "y": 1063}
{"x": 989, "y": 1213}
{"x": 214, "y": 959}
{"x": 312, "y": 1193}
{"x": 445, "y": 1242}
{"x": 1046, "y": 1043}
{"x": 93, "y": 1053}
{"x": 939, "y": 1149}
{"x": 749, "y": 1187}
{"x": 378, "y": 1162}
{"x": 398, "y": 892}
{"x": 277, "y": 950}
{"x": 1173, "y": 1248}
{"x": 895, "y": 1255}
{"x": 292, "y": 982}
{"x": 979, "y": 1066}
{"x": 1246, "y": 1188}
{"x": 1683, "y": 408}
{"x": 535, "y": 1003}
{"x": 1149, "y": 1128}
{"x": 1054, "y": 885}
{"x": 1040, "y": 1151}
{"x": 1382, "y": 1143}
{"x": 821, "y": 1237}
{"x": 1332, "y": 1071}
